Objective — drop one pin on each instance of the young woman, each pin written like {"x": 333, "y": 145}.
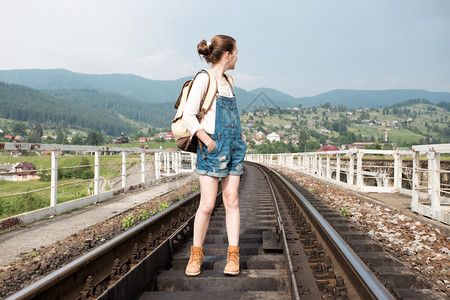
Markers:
{"x": 220, "y": 152}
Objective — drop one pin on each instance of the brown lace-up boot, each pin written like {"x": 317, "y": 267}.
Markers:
{"x": 194, "y": 265}
{"x": 232, "y": 267}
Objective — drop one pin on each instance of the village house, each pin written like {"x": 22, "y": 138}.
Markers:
{"x": 23, "y": 171}
{"x": 142, "y": 139}
{"x": 260, "y": 135}
{"x": 328, "y": 148}
{"x": 273, "y": 137}
{"x": 165, "y": 135}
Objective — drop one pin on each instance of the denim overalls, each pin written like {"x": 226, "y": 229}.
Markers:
{"x": 227, "y": 157}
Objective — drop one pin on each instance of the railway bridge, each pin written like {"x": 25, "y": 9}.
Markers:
{"x": 295, "y": 242}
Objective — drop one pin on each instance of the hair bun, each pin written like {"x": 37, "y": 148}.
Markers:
{"x": 203, "y": 48}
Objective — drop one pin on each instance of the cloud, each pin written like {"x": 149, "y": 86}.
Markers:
{"x": 166, "y": 64}
{"x": 247, "y": 81}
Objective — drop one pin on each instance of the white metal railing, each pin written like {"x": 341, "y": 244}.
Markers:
{"x": 350, "y": 169}
{"x": 166, "y": 164}
{"x": 437, "y": 202}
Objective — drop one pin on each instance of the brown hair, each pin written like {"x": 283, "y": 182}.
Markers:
{"x": 220, "y": 44}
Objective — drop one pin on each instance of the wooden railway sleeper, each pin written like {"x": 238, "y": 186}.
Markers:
{"x": 322, "y": 268}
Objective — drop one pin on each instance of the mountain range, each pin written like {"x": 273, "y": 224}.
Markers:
{"x": 159, "y": 91}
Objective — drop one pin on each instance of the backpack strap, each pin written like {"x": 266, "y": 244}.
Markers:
{"x": 210, "y": 95}
{"x": 230, "y": 81}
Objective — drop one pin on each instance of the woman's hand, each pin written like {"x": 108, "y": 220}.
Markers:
{"x": 211, "y": 146}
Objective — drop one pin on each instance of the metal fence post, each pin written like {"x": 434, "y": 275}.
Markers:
{"x": 320, "y": 172}
{"x": 351, "y": 169}
{"x": 359, "y": 176}
{"x": 328, "y": 166}
{"x": 397, "y": 171}
{"x": 143, "y": 167}
{"x": 166, "y": 164}
{"x": 176, "y": 160}
{"x": 314, "y": 163}
{"x": 308, "y": 163}
{"x": 338, "y": 167}
{"x": 96, "y": 173}
{"x": 434, "y": 168}
{"x": 124, "y": 168}
{"x": 192, "y": 162}
{"x": 54, "y": 179}
{"x": 415, "y": 179}
{"x": 157, "y": 166}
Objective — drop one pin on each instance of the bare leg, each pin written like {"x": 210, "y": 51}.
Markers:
{"x": 208, "y": 194}
{"x": 230, "y": 186}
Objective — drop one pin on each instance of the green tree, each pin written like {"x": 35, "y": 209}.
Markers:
{"x": 350, "y": 138}
{"x": 326, "y": 105}
{"x": 34, "y": 137}
{"x": 60, "y": 137}
{"x": 91, "y": 138}
{"x": 137, "y": 135}
{"x": 100, "y": 138}
{"x": 312, "y": 145}
{"x": 77, "y": 140}
{"x": 19, "y": 129}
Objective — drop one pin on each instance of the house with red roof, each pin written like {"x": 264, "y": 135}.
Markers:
{"x": 328, "y": 148}
{"x": 23, "y": 171}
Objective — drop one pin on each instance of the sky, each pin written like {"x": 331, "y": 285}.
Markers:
{"x": 302, "y": 48}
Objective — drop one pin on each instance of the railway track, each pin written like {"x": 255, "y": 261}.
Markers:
{"x": 288, "y": 251}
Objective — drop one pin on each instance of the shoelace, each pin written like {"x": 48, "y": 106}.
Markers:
{"x": 233, "y": 256}
{"x": 197, "y": 257}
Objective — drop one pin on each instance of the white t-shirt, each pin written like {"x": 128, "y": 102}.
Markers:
{"x": 192, "y": 107}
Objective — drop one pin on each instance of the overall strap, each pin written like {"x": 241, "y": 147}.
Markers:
{"x": 230, "y": 81}
{"x": 210, "y": 95}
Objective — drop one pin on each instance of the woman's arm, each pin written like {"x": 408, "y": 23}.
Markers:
{"x": 198, "y": 90}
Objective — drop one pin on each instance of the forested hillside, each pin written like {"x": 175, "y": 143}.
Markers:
{"x": 89, "y": 109}
{"x": 156, "y": 115}
{"x": 159, "y": 91}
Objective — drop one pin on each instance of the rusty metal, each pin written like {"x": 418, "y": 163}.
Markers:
{"x": 69, "y": 282}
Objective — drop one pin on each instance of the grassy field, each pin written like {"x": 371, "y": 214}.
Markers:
{"x": 110, "y": 165}
{"x": 415, "y": 133}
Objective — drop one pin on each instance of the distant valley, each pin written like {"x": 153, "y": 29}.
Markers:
{"x": 116, "y": 103}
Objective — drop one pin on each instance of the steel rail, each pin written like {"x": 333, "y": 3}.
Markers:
{"x": 364, "y": 281}
{"x": 49, "y": 287}
{"x": 289, "y": 266}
